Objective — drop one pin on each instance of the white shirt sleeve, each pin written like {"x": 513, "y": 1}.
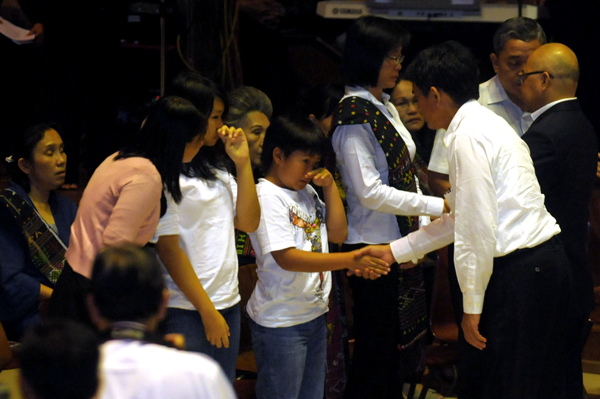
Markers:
{"x": 168, "y": 224}
{"x": 476, "y": 217}
{"x": 358, "y": 154}
{"x": 275, "y": 232}
{"x": 435, "y": 235}
{"x": 438, "y": 161}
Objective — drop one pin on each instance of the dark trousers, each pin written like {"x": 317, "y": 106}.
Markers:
{"x": 375, "y": 361}
{"x": 524, "y": 319}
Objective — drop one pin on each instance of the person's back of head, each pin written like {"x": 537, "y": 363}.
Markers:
{"x": 198, "y": 89}
{"x": 127, "y": 284}
{"x": 450, "y": 67}
{"x": 59, "y": 360}
{"x": 519, "y": 28}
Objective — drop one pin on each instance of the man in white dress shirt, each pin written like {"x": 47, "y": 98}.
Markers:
{"x": 514, "y": 41}
{"x": 128, "y": 299}
{"x": 512, "y": 270}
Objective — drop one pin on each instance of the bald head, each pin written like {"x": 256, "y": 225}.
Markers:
{"x": 557, "y": 77}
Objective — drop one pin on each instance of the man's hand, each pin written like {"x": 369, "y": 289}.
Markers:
{"x": 470, "y": 327}
{"x": 383, "y": 252}
{"x": 38, "y": 32}
{"x": 216, "y": 328}
{"x": 178, "y": 340}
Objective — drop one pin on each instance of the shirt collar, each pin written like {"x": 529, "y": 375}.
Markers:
{"x": 496, "y": 91}
{"x": 464, "y": 110}
{"x": 536, "y": 114}
{"x": 366, "y": 94}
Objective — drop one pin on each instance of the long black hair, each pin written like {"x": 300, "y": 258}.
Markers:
{"x": 171, "y": 123}
{"x": 202, "y": 92}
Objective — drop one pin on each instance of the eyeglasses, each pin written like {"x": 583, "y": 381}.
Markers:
{"x": 397, "y": 60}
{"x": 521, "y": 76}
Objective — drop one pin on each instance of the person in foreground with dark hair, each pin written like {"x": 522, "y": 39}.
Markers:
{"x": 374, "y": 155}
{"x": 35, "y": 226}
{"x": 288, "y": 305}
{"x": 122, "y": 201}
{"x": 59, "y": 360}
{"x": 512, "y": 269}
{"x": 127, "y": 300}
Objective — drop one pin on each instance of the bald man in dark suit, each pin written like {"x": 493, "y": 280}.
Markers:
{"x": 564, "y": 150}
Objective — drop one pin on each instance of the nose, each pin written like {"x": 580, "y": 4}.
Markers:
{"x": 412, "y": 108}
{"x": 62, "y": 158}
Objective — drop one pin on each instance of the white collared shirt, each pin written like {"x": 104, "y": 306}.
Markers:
{"x": 496, "y": 201}
{"x": 493, "y": 96}
{"x": 536, "y": 114}
{"x": 372, "y": 203}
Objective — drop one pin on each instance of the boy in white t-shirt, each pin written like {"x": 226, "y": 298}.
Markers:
{"x": 288, "y": 305}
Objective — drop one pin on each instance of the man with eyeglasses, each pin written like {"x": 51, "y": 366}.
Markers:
{"x": 514, "y": 41}
{"x": 563, "y": 147}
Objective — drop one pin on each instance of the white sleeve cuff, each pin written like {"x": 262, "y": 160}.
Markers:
{"x": 473, "y": 304}
{"x": 402, "y": 251}
{"x": 435, "y": 207}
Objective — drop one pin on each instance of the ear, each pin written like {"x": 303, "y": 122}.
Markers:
{"x": 494, "y": 59}
{"x": 313, "y": 118}
{"x": 162, "y": 310}
{"x": 278, "y": 155}
{"x": 24, "y": 165}
{"x": 95, "y": 316}
{"x": 545, "y": 80}
{"x": 433, "y": 91}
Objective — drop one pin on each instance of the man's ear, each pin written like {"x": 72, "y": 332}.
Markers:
{"x": 545, "y": 80}
{"x": 95, "y": 316}
{"x": 494, "y": 59}
{"x": 433, "y": 91}
{"x": 313, "y": 118}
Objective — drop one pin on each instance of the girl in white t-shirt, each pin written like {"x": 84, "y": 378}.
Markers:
{"x": 196, "y": 240}
{"x": 288, "y": 305}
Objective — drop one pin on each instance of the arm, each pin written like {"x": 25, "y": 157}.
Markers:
{"x": 20, "y": 290}
{"x": 247, "y": 207}
{"x": 137, "y": 200}
{"x": 337, "y": 225}
{"x": 358, "y": 154}
{"x": 297, "y": 260}
{"x": 546, "y": 160}
{"x": 180, "y": 269}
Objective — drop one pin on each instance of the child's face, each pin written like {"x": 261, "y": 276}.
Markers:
{"x": 290, "y": 172}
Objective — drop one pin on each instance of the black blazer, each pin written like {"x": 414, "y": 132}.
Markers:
{"x": 564, "y": 150}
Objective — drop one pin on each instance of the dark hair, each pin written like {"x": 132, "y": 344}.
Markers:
{"x": 59, "y": 360}
{"x": 202, "y": 92}
{"x": 292, "y": 133}
{"x": 321, "y": 100}
{"x": 172, "y": 122}
{"x": 520, "y": 28}
{"x": 368, "y": 41}
{"x": 450, "y": 67}
{"x": 24, "y": 146}
{"x": 127, "y": 284}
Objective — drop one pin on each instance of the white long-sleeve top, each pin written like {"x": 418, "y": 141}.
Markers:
{"x": 496, "y": 201}
{"x": 372, "y": 203}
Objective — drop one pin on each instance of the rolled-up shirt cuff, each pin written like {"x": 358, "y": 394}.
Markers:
{"x": 402, "y": 251}
{"x": 435, "y": 206}
{"x": 473, "y": 304}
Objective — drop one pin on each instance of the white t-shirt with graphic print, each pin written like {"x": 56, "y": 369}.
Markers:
{"x": 289, "y": 219}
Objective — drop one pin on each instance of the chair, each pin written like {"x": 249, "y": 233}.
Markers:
{"x": 444, "y": 352}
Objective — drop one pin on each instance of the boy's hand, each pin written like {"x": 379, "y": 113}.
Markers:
{"x": 368, "y": 264}
{"x": 236, "y": 144}
{"x": 216, "y": 328}
{"x": 383, "y": 252}
{"x": 321, "y": 177}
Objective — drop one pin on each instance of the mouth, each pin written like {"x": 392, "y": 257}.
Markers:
{"x": 61, "y": 173}
{"x": 414, "y": 120}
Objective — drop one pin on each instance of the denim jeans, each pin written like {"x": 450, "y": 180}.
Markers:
{"x": 291, "y": 361}
{"x": 189, "y": 323}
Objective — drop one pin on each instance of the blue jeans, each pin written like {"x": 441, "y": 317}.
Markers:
{"x": 189, "y": 323}
{"x": 291, "y": 361}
